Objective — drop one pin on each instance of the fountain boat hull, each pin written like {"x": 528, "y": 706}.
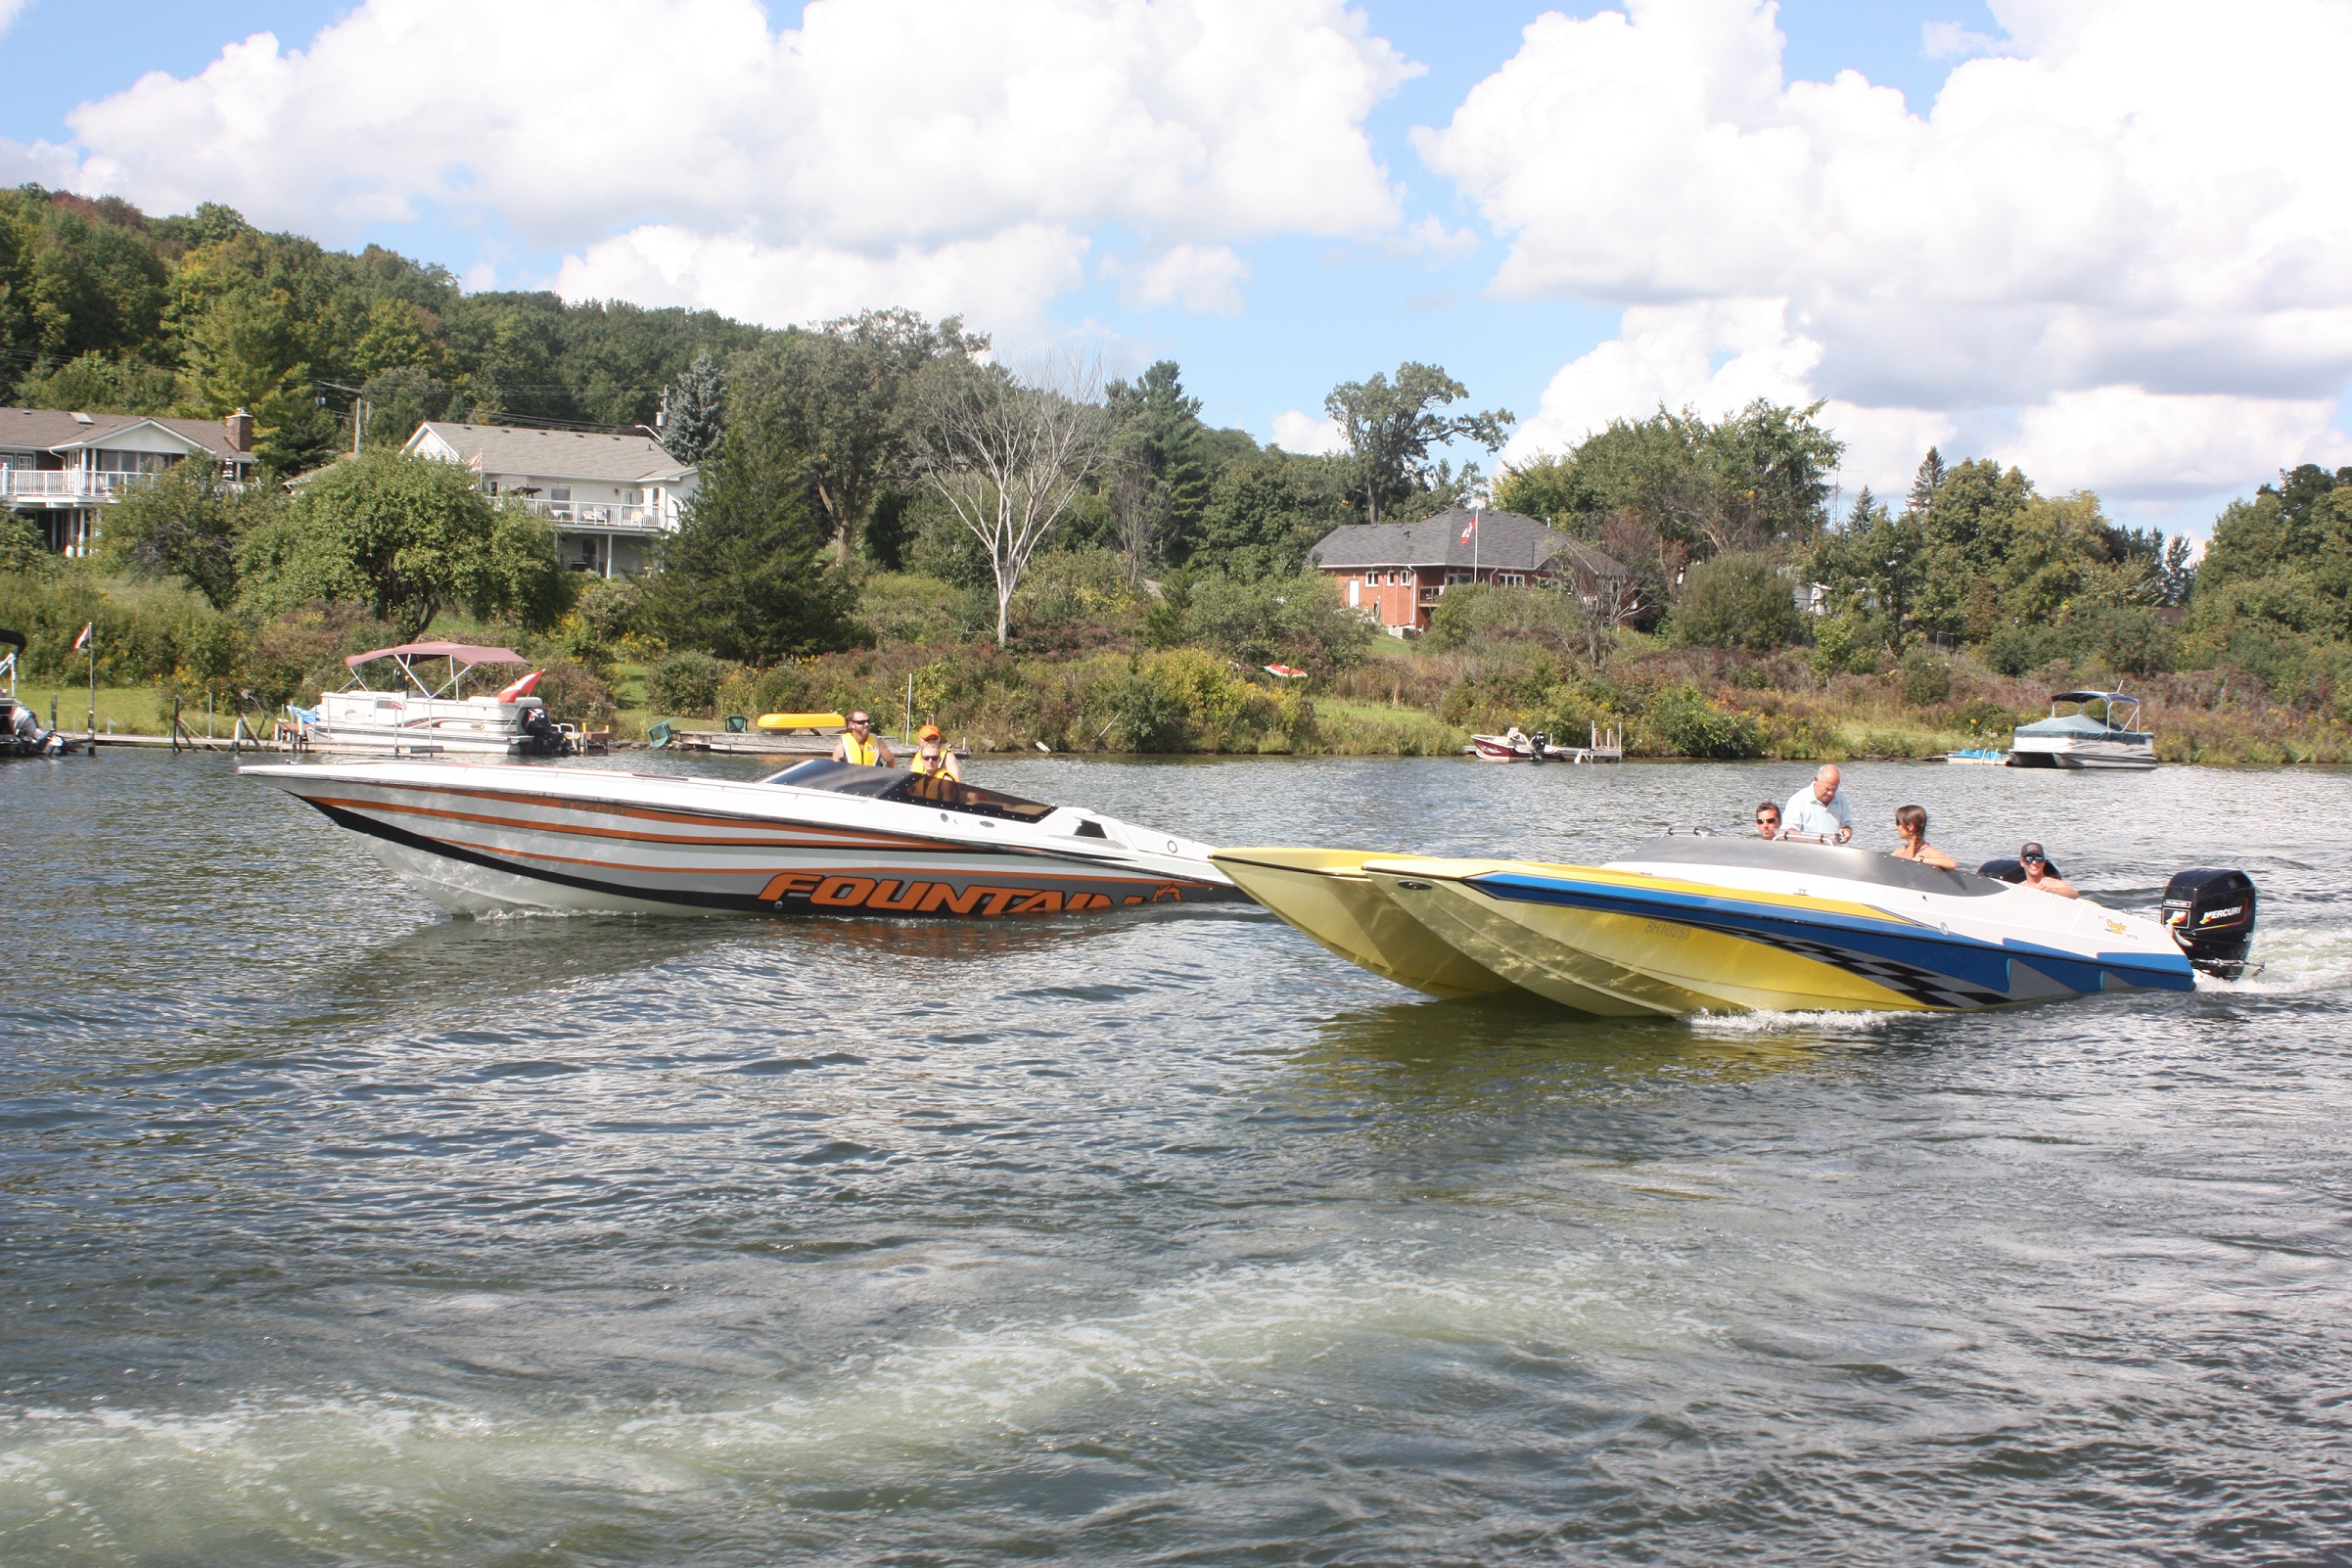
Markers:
{"x": 484, "y": 839}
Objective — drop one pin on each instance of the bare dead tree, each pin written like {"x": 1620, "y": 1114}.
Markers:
{"x": 1009, "y": 455}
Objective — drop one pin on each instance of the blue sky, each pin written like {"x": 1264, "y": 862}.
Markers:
{"x": 1321, "y": 307}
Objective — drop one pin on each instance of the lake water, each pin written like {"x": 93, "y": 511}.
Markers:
{"x": 333, "y": 1231}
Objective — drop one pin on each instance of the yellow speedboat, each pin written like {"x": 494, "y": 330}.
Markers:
{"x": 1701, "y": 923}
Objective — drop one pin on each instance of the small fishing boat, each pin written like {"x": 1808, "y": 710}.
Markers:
{"x": 2076, "y": 740}
{"x": 1706, "y": 924}
{"x": 1514, "y": 746}
{"x": 20, "y": 731}
{"x": 1979, "y": 757}
{"x": 821, "y": 837}
{"x": 429, "y": 713}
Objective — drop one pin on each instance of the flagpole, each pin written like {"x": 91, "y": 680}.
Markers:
{"x": 93, "y": 685}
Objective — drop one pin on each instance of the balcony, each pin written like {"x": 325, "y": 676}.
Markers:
{"x": 593, "y": 514}
{"x": 67, "y": 487}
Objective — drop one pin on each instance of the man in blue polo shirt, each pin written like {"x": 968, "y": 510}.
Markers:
{"x": 1820, "y": 810}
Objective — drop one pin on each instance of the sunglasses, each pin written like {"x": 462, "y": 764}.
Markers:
{"x": 1767, "y": 819}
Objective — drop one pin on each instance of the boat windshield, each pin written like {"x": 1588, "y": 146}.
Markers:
{"x": 912, "y": 788}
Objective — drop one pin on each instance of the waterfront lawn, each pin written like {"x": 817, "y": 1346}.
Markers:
{"x": 125, "y": 710}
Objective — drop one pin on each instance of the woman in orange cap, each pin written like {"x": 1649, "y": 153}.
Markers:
{"x": 931, "y": 759}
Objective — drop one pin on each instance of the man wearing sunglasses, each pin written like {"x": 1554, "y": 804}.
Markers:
{"x": 1768, "y": 821}
{"x": 860, "y": 745}
{"x": 2038, "y": 874}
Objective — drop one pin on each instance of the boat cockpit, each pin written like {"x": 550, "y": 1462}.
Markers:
{"x": 1839, "y": 861}
{"x": 911, "y": 789}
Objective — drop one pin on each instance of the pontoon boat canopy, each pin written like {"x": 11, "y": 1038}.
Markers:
{"x": 441, "y": 650}
{"x": 2091, "y": 697}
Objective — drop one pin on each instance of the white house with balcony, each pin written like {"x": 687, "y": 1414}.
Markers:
{"x": 62, "y": 469}
{"x": 611, "y": 497}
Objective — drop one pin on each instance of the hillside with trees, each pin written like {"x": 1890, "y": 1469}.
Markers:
{"x": 1050, "y": 555}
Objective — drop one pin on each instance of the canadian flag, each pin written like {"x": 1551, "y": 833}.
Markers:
{"x": 83, "y": 641}
{"x": 1469, "y": 527}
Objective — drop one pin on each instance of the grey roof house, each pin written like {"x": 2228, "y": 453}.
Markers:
{"x": 63, "y": 468}
{"x": 611, "y": 497}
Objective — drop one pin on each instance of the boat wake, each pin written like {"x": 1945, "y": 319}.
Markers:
{"x": 2296, "y": 960}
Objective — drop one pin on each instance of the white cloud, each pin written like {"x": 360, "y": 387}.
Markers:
{"x": 10, "y": 9}
{"x": 1000, "y": 277}
{"x": 1297, "y": 432}
{"x": 880, "y": 138}
{"x": 36, "y": 163}
{"x": 2147, "y": 200}
{"x": 1949, "y": 40}
{"x": 1202, "y": 278}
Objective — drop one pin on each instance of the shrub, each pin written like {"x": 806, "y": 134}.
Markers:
{"x": 1736, "y": 601}
{"x": 906, "y": 607}
{"x": 2014, "y": 650}
{"x": 1680, "y": 722}
{"x": 1983, "y": 717}
{"x": 1475, "y": 613}
{"x": 686, "y": 682}
{"x": 1846, "y": 645}
{"x": 1293, "y": 620}
{"x": 1925, "y": 681}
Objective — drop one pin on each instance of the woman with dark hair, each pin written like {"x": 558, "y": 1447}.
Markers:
{"x": 1910, "y": 829}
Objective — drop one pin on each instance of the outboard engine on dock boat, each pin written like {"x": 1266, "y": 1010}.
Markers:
{"x": 2210, "y": 913}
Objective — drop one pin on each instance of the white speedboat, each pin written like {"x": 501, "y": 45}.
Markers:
{"x": 821, "y": 837}
{"x": 426, "y": 716}
{"x": 2077, "y": 740}
{"x": 1705, "y": 924}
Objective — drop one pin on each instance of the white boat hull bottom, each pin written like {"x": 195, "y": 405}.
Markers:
{"x": 466, "y": 889}
{"x": 2079, "y": 762}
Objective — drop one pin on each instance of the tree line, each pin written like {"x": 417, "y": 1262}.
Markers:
{"x": 861, "y": 473}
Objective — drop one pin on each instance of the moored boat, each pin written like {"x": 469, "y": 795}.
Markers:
{"x": 1701, "y": 924}
{"x": 2076, "y": 740}
{"x": 820, "y": 837}
{"x": 428, "y": 717}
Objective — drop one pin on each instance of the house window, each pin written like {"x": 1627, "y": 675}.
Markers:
{"x": 1371, "y": 579}
{"x": 560, "y": 492}
{"x": 1396, "y": 576}
{"x": 1452, "y": 577}
{"x": 1511, "y": 579}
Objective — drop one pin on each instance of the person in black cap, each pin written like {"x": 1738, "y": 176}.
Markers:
{"x": 2038, "y": 873}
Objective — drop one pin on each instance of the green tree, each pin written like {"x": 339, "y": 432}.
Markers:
{"x": 1876, "y": 563}
{"x": 1158, "y": 478}
{"x": 1390, "y": 428}
{"x": 190, "y": 524}
{"x": 1759, "y": 480}
{"x": 851, "y": 398}
{"x": 405, "y": 538}
{"x": 743, "y": 578}
{"x": 1736, "y": 601}
{"x": 1263, "y": 514}
{"x": 694, "y": 412}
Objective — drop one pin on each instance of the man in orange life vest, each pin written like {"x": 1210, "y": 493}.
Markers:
{"x": 860, "y": 745}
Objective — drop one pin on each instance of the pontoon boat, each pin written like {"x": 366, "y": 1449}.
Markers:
{"x": 429, "y": 715}
{"x": 2079, "y": 741}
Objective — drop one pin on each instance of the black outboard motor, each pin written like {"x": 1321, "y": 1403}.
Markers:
{"x": 1536, "y": 744}
{"x": 2210, "y": 913}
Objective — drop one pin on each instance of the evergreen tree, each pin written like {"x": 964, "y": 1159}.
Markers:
{"x": 1925, "y": 484}
{"x": 742, "y": 578}
{"x": 694, "y": 411}
{"x": 1158, "y": 478}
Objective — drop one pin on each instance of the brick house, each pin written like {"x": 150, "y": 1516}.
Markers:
{"x": 1395, "y": 572}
